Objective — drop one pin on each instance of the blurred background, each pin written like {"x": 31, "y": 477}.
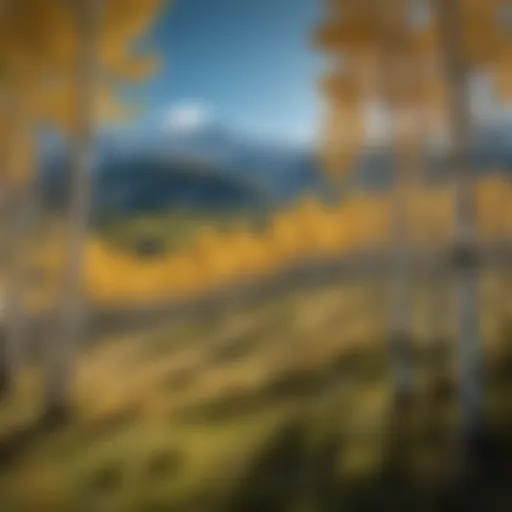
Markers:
{"x": 255, "y": 255}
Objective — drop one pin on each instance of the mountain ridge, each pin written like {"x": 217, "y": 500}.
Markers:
{"x": 236, "y": 168}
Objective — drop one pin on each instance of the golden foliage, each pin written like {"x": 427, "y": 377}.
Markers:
{"x": 491, "y": 203}
{"x": 344, "y": 129}
{"x": 310, "y": 229}
{"x": 480, "y": 29}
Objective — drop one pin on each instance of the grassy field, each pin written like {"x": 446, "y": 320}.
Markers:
{"x": 174, "y": 230}
{"x": 282, "y": 407}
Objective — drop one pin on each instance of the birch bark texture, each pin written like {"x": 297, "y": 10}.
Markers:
{"x": 470, "y": 350}
{"x": 70, "y": 322}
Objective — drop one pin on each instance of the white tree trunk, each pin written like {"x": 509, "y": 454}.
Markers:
{"x": 17, "y": 204}
{"x": 401, "y": 286}
{"x": 401, "y": 343}
{"x": 5, "y": 359}
{"x": 470, "y": 348}
{"x": 63, "y": 348}
{"x": 14, "y": 308}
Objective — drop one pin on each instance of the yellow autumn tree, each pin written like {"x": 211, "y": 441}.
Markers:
{"x": 17, "y": 97}
{"x": 79, "y": 51}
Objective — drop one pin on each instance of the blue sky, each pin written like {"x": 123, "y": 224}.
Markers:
{"x": 245, "y": 63}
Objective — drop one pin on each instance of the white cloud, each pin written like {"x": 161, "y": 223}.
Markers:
{"x": 187, "y": 117}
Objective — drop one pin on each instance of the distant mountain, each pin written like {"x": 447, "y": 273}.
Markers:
{"x": 204, "y": 170}
{"x": 143, "y": 184}
{"x": 283, "y": 169}
{"x": 490, "y": 151}
{"x": 214, "y": 168}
